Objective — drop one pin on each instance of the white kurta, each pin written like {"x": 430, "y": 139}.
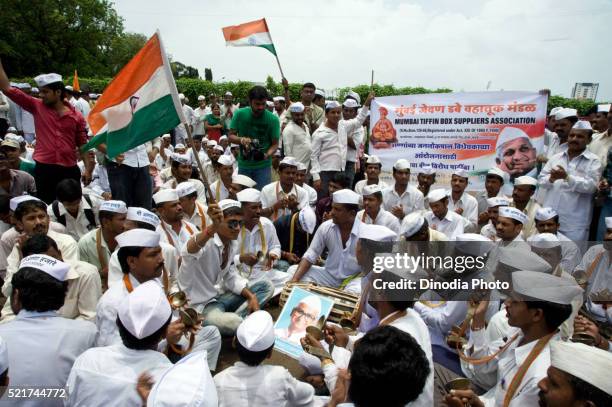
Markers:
{"x": 79, "y": 226}
{"x": 107, "y": 376}
{"x": 199, "y": 212}
{"x": 42, "y": 348}
{"x": 412, "y": 199}
{"x": 263, "y": 385}
{"x": 469, "y": 204}
{"x": 273, "y": 192}
{"x": 168, "y": 235}
{"x": 383, "y": 218}
{"x": 296, "y": 142}
{"x": 572, "y": 198}
{"x": 451, "y": 225}
{"x": 312, "y": 195}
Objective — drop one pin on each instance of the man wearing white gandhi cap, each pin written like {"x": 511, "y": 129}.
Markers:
{"x": 141, "y": 218}
{"x": 39, "y": 289}
{"x": 254, "y": 342}
{"x": 547, "y": 221}
{"x": 181, "y": 169}
{"x": 415, "y": 227}
{"x": 440, "y": 218}
{"x": 539, "y": 304}
{"x": 210, "y": 279}
{"x": 373, "y": 167}
{"x": 579, "y": 375}
{"x": 193, "y": 209}
{"x": 339, "y": 236}
{"x": 141, "y": 260}
{"x": 373, "y": 212}
{"x": 107, "y": 375}
{"x": 570, "y": 179}
{"x": 98, "y": 244}
{"x": 402, "y": 198}
{"x": 222, "y": 187}
{"x": 284, "y": 196}
{"x": 173, "y": 229}
{"x": 296, "y": 135}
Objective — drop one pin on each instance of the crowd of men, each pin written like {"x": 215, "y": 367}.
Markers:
{"x": 242, "y": 199}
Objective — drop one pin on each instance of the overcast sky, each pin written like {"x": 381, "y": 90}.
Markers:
{"x": 462, "y": 45}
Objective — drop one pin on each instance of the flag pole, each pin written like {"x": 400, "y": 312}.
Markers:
{"x": 275, "y": 52}
{"x": 372, "y": 81}
{"x": 211, "y": 197}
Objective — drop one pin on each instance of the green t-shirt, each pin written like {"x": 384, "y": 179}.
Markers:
{"x": 27, "y": 166}
{"x": 265, "y": 128}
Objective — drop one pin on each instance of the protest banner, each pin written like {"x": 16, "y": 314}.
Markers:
{"x": 475, "y": 131}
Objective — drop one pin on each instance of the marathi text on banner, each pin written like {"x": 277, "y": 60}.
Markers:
{"x": 472, "y": 131}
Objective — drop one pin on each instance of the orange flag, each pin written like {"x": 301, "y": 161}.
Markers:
{"x": 75, "y": 82}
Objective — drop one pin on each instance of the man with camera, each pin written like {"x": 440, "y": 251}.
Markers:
{"x": 257, "y": 131}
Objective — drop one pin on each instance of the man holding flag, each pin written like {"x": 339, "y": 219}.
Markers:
{"x": 60, "y": 130}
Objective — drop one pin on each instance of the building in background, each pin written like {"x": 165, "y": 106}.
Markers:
{"x": 584, "y": 90}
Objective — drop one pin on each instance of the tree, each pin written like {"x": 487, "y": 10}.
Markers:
{"x": 208, "y": 74}
{"x": 123, "y": 48}
{"x": 58, "y": 36}
{"x": 180, "y": 70}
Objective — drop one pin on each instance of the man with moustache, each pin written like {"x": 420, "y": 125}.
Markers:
{"x": 173, "y": 229}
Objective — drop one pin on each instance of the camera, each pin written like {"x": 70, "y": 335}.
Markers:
{"x": 253, "y": 152}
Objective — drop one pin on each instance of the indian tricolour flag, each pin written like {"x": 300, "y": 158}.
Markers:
{"x": 140, "y": 103}
{"x": 251, "y": 34}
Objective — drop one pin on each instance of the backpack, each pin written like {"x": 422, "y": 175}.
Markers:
{"x": 89, "y": 214}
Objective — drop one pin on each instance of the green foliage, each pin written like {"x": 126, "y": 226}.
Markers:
{"x": 123, "y": 48}
{"x": 180, "y": 70}
{"x": 58, "y": 36}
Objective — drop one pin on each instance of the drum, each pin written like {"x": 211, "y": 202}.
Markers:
{"x": 343, "y": 302}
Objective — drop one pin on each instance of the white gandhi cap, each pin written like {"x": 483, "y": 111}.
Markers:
{"x": 346, "y": 196}
{"x": 186, "y": 383}
{"x": 377, "y": 233}
{"x": 47, "y": 264}
{"x": 545, "y": 287}
{"x": 587, "y": 363}
{"x": 249, "y": 195}
{"x": 256, "y": 332}
{"x": 165, "y": 195}
{"x": 513, "y": 213}
{"x": 145, "y": 310}
{"x": 113, "y": 206}
{"x": 138, "y": 238}
{"x": 142, "y": 215}
{"x": 411, "y": 224}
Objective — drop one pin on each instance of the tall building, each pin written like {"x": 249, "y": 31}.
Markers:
{"x": 584, "y": 90}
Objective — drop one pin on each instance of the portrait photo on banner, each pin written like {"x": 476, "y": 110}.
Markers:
{"x": 302, "y": 309}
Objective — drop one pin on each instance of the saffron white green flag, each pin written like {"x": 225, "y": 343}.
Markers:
{"x": 251, "y": 34}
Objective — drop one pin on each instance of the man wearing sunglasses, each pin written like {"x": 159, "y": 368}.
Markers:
{"x": 206, "y": 263}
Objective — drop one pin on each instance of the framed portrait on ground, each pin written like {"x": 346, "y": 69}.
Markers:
{"x": 302, "y": 309}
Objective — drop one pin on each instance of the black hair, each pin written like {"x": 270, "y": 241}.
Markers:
{"x": 554, "y": 314}
{"x": 378, "y": 195}
{"x": 38, "y": 244}
{"x": 124, "y": 253}
{"x": 252, "y": 358}
{"x": 106, "y": 215}
{"x": 327, "y": 109}
{"x": 232, "y": 211}
{"x": 587, "y": 392}
{"x": 146, "y": 343}
{"x": 501, "y": 179}
{"x": 26, "y": 207}
{"x": 387, "y": 359}
{"x": 3, "y": 154}
{"x": 283, "y": 166}
{"x": 58, "y": 86}
{"x": 592, "y": 110}
{"x": 38, "y": 291}
{"x": 572, "y": 119}
{"x": 198, "y": 137}
{"x": 309, "y": 85}
{"x": 351, "y": 207}
{"x": 317, "y": 97}
{"x": 555, "y": 218}
{"x": 5, "y": 203}
{"x": 194, "y": 194}
{"x": 258, "y": 93}
{"x": 341, "y": 179}
{"x": 68, "y": 190}
{"x": 394, "y": 170}
{"x": 144, "y": 225}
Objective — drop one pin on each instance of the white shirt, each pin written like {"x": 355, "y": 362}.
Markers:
{"x": 136, "y": 157}
{"x": 572, "y": 198}
{"x": 329, "y": 147}
{"x": 341, "y": 261}
{"x": 168, "y": 235}
{"x": 79, "y": 226}
{"x": 469, "y": 204}
{"x": 412, "y": 199}
{"x": 383, "y": 218}
{"x": 263, "y": 385}
{"x": 199, "y": 211}
{"x": 219, "y": 190}
{"x": 296, "y": 142}
{"x": 107, "y": 376}
{"x": 201, "y": 154}
{"x": 312, "y": 195}
{"x": 43, "y": 346}
{"x": 357, "y": 135}
{"x": 200, "y": 273}
{"x": 599, "y": 145}
{"x": 249, "y": 241}
{"x": 360, "y": 184}
{"x": 441, "y": 317}
{"x": 451, "y": 225}
{"x": 83, "y": 106}
{"x": 489, "y": 231}
{"x": 199, "y": 115}
{"x": 507, "y": 365}
{"x": 4, "y": 107}
{"x": 273, "y": 192}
